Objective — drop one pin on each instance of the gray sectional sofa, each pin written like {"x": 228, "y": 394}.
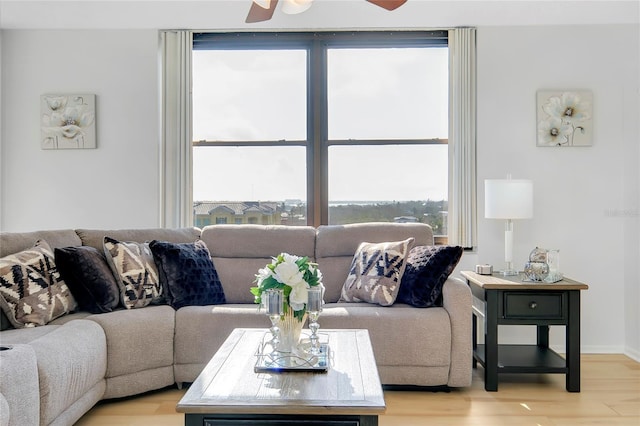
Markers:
{"x": 53, "y": 374}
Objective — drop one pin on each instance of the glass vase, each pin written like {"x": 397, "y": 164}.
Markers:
{"x": 553, "y": 260}
{"x": 290, "y": 330}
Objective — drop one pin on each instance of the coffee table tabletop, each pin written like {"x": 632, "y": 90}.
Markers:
{"x": 229, "y": 385}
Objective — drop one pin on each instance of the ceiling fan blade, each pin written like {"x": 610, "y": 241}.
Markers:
{"x": 388, "y": 4}
{"x": 258, "y": 13}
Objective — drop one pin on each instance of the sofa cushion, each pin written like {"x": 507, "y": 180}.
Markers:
{"x": 201, "y": 330}
{"x": 138, "y": 340}
{"x": 187, "y": 273}
{"x": 32, "y": 293}
{"x": 135, "y": 271}
{"x": 72, "y": 361}
{"x": 428, "y": 267}
{"x": 376, "y": 272}
{"x": 70, "y": 370}
{"x": 401, "y": 335}
{"x": 89, "y": 277}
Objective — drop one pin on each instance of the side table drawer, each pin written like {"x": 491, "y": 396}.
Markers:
{"x": 534, "y": 305}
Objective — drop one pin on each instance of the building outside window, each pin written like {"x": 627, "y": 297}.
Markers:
{"x": 321, "y": 128}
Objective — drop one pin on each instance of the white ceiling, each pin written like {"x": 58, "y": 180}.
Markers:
{"x": 324, "y": 14}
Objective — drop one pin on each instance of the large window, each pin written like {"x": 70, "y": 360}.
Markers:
{"x": 317, "y": 128}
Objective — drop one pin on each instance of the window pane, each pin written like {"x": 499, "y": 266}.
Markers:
{"x": 249, "y": 95}
{"x": 263, "y": 185}
{"x": 389, "y": 183}
{"x": 388, "y": 93}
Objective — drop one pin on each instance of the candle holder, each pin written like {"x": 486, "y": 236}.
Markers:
{"x": 275, "y": 308}
{"x": 314, "y": 308}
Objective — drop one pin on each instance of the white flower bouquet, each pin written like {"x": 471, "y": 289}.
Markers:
{"x": 294, "y": 275}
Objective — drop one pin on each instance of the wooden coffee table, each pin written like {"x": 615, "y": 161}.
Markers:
{"x": 229, "y": 393}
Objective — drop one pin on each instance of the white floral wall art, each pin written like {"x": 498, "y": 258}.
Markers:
{"x": 68, "y": 121}
{"x": 565, "y": 118}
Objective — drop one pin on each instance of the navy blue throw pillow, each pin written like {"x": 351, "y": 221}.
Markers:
{"x": 428, "y": 267}
{"x": 89, "y": 278}
{"x": 187, "y": 273}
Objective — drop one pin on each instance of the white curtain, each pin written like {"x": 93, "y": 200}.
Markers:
{"x": 462, "y": 137}
{"x": 176, "y": 199}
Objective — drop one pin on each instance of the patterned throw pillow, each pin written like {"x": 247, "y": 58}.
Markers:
{"x": 89, "y": 277}
{"x": 187, "y": 273}
{"x": 133, "y": 266}
{"x": 376, "y": 272}
{"x": 32, "y": 293}
{"x": 428, "y": 267}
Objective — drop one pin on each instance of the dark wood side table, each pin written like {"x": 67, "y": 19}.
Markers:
{"x": 510, "y": 300}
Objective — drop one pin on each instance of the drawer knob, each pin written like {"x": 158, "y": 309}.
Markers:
{"x": 533, "y": 305}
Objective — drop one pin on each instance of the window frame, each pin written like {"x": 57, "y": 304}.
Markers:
{"x": 317, "y": 143}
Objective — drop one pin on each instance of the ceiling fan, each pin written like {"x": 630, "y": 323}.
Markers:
{"x": 262, "y": 10}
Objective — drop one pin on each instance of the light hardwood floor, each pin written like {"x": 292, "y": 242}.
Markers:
{"x": 610, "y": 396}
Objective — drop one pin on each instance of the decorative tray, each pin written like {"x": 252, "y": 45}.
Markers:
{"x": 269, "y": 360}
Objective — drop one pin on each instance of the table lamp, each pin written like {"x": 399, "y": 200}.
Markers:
{"x": 508, "y": 199}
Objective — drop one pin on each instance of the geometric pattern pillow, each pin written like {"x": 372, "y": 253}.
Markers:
{"x": 32, "y": 293}
{"x": 428, "y": 267}
{"x": 376, "y": 272}
{"x": 89, "y": 277}
{"x": 135, "y": 271}
{"x": 187, "y": 274}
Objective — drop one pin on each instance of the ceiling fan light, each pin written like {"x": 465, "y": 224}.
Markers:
{"x": 265, "y": 4}
{"x": 292, "y": 7}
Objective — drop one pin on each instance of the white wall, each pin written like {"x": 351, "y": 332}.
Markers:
{"x": 631, "y": 215}
{"x": 1, "y": 136}
{"x": 113, "y": 186}
{"x": 324, "y": 14}
{"x": 576, "y": 189}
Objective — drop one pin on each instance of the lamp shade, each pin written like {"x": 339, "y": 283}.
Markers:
{"x": 508, "y": 199}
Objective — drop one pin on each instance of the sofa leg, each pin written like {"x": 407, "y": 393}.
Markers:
{"x": 179, "y": 385}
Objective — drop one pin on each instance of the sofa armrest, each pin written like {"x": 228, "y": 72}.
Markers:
{"x": 4, "y": 411}
{"x": 457, "y": 302}
{"x": 19, "y": 386}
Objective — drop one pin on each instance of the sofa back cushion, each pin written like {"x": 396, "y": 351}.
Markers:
{"x": 336, "y": 245}
{"x": 239, "y": 251}
{"x": 95, "y": 237}
{"x": 135, "y": 294}
{"x": 13, "y": 242}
